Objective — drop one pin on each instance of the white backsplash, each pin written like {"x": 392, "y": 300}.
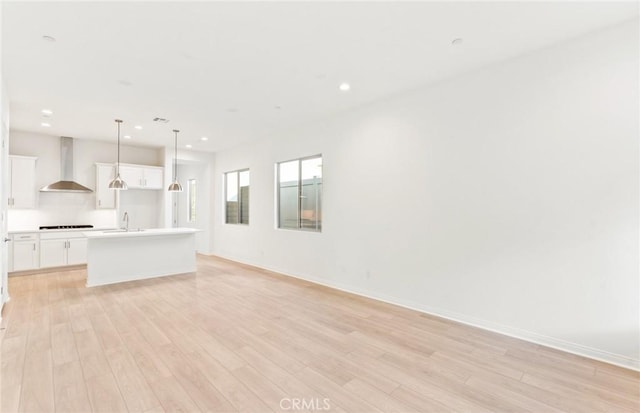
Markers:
{"x": 62, "y": 208}
{"x": 142, "y": 207}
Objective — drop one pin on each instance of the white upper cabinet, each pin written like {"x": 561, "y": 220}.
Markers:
{"x": 105, "y": 197}
{"x": 153, "y": 178}
{"x": 142, "y": 177}
{"x": 22, "y": 182}
{"x": 132, "y": 175}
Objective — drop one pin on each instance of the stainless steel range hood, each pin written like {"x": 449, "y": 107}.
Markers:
{"x": 66, "y": 182}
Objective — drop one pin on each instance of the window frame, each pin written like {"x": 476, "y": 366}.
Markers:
{"x": 192, "y": 219}
{"x": 226, "y": 185}
{"x": 299, "y": 197}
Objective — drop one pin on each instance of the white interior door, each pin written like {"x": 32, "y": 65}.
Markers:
{"x": 4, "y": 180}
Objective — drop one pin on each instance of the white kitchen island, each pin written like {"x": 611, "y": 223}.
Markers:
{"x": 119, "y": 256}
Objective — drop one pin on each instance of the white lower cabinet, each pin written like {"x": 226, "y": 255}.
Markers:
{"x": 24, "y": 252}
{"x": 77, "y": 251}
{"x": 58, "y": 252}
{"x": 30, "y": 251}
{"x": 53, "y": 253}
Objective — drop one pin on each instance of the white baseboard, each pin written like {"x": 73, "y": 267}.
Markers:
{"x": 530, "y": 336}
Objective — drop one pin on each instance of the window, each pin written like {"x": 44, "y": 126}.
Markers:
{"x": 191, "y": 199}
{"x": 237, "y": 197}
{"x": 300, "y": 194}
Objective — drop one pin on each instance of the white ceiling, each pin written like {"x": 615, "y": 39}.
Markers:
{"x": 220, "y": 69}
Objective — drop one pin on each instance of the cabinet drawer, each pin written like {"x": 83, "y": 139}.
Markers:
{"x": 62, "y": 235}
{"x": 24, "y": 237}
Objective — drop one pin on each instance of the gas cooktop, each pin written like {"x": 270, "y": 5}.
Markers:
{"x": 66, "y": 226}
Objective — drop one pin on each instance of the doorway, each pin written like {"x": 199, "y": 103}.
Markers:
{"x": 190, "y": 205}
{"x": 4, "y": 176}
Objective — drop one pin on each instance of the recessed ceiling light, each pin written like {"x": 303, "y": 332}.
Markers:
{"x": 49, "y": 38}
{"x": 188, "y": 146}
{"x": 137, "y": 127}
{"x": 47, "y": 112}
{"x": 344, "y": 86}
{"x": 232, "y": 110}
{"x": 45, "y": 124}
{"x": 456, "y": 41}
{"x": 204, "y": 138}
{"x": 127, "y": 136}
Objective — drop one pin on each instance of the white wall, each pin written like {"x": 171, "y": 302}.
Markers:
{"x": 195, "y": 171}
{"x": 505, "y": 198}
{"x": 59, "y": 208}
{"x": 192, "y": 164}
{"x": 143, "y": 207}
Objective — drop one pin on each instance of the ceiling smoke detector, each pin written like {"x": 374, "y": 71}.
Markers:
{"x": 162, "y": 120}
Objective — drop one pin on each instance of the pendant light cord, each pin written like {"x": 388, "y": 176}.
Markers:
{"x": 118, "y": 121}
{"x": 175, "y": 158}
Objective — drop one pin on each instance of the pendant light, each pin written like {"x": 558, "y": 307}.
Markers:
{"x": 175, "y": 185}
{"x": 118, "y": 183}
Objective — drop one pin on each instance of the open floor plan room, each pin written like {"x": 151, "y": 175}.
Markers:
{"x": 320, "y": 206}
{"x": 236, "y": 338}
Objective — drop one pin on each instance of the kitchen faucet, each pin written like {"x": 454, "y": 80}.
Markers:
{"x": 125, "y": 218}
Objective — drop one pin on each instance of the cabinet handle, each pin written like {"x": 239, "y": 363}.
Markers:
{"x": 34, "y": 246}
{"x": 99, "y": 202}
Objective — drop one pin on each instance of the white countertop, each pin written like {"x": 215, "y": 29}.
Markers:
{"x": 152, "y": 232}
{"x": 42, "y": 231}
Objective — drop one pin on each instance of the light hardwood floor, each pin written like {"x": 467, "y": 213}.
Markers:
{"x": 235, "y": 338}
